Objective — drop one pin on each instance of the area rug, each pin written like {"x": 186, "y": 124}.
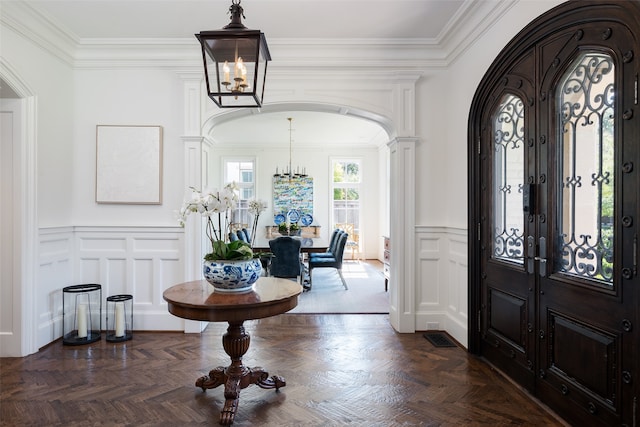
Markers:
{"x": 366, "y": 294}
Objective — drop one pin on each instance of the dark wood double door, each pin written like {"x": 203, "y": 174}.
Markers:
{"x": 554, "y": 143}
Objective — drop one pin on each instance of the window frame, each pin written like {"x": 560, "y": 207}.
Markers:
{"x": 357, "y": 227}
{"x": 241, "y": 214}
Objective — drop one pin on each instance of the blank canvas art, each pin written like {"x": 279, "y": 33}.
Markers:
{"x": 129, "y": 164}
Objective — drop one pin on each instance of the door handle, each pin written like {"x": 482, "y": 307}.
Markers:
{"x": 532, "y": 257}
{"x": 531, "y": 254}
{"x": 543, "y": 257}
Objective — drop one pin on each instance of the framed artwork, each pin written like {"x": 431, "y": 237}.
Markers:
{"x": 129, "y": 164}
{"x": 296, "y": 193}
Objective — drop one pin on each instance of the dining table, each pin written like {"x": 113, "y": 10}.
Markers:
{"x": 308, "y": 244}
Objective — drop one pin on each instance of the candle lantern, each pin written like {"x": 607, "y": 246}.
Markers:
{"x": 119, "y": 318}
{"x": 81, "y": 314}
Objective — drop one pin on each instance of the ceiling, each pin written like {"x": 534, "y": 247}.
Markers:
{"x": 278, "y": 19}
{"x": 281, "y": 19}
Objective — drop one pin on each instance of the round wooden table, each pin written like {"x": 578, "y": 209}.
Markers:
{"x": 197, "y": 300}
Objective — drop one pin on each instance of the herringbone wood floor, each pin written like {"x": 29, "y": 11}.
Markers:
{"x": 340, "y": 370}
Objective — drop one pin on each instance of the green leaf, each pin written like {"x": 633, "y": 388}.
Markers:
{"x": 236, "y": 250}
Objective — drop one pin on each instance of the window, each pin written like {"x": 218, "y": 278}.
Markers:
{"x": 347, "y": 179}
{"x": 242, "y": 172}
{"x": 508, "y": 178}
{"x": 586, "y": 110}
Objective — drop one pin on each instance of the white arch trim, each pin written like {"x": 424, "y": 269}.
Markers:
{"x": 216, "y": 119}
{"x": 26, "y": 249}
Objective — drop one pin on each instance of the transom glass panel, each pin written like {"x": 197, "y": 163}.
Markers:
{"x": 586, "y": 195}
{"x": 508, "y": 180}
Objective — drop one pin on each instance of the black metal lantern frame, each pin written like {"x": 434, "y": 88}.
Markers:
{"x": 235, "y": 63}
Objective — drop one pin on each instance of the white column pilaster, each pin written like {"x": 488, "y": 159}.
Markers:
{"x": 193, "y": 143}
{"x": 402, "y": 193}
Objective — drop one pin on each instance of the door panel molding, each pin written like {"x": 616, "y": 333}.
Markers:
{"x": 571, "y": 340}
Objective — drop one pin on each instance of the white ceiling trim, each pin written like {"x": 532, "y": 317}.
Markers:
{"x": 43, "y": 32}
{"x": 108, "y": 53}
{"x": 477, "y": 21}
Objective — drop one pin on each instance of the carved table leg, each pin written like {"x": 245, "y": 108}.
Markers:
{"x": 215, "y": 378}
{"x": 237, "y": 376}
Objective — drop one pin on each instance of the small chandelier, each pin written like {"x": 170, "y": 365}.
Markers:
{"x": 288, "y": 170}
{"x": 235, "y": 62}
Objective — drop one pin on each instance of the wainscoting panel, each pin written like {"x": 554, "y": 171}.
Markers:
{"x": 116, "y": 278}
{"x": 55, "y": 271}
{"x": 441, "y": 294}
{"x": 144, "y": 280}
{"x": 458, "y": 278}
{"x": 139, "y": 261}
{"x": 429, "y": 267}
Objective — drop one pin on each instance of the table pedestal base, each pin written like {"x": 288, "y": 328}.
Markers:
{"x": 236, "y": 376}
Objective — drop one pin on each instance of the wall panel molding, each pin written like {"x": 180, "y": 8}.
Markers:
{"x": 141, "y": 261}
{"x": 441, "y": 266}
{"x": 55, "y": 271}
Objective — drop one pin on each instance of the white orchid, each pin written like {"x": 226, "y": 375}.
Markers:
{"x": 256, "y": 207}
{"x": 211, "y": 205}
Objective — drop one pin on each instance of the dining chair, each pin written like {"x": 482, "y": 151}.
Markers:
{"x": 287, "y": 258}
{"x": 331, "y": 249}
{"x": 352, "y": 242}
{"x": 242, "y": 236}
{"x": 330, "y": 262}
{"x": 247, "y": 234}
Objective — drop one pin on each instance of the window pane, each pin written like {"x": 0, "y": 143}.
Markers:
{"x": 242, "y": 173}
{"x": 232, "y": 172}
{"x": 508, "y": 180}
{"x": 346, "y": 171}
{"x": 346, "y": 196}
{"x": 246, "y": 176}
{"x": 586, "y": 194}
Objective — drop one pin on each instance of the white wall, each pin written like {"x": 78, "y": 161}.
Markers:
{"x": 126, "y": 97}
{"x": 464, "y": 75}
{"x": 432, "y": 176}
{"x": 51, "y": 79}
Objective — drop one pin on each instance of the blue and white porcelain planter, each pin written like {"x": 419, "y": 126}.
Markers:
{"x": 232, "y": 275}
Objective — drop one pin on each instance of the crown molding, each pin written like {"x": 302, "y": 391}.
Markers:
{"x": 39, "y": 29}
{"x": 315, "y": 55}
{"x": 357, "y": 54}
{"x": 474, "y": 19}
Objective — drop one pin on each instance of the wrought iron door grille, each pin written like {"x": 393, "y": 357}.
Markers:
{"x": 508, "y": 178}
{"x": 586, "y": 128}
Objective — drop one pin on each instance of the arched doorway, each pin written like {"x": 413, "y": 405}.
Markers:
{"x": 322, "y": 135}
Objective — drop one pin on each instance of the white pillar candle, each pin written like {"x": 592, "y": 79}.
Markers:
{"x": 226, "y": 70}
{"x": 81, "y": 316}
{"x": 119, "y": 319}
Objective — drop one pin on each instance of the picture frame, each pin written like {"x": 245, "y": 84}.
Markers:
{"x": 129, "y": 164}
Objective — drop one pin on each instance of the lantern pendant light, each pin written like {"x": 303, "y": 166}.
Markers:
{"x": 235, "y": 62}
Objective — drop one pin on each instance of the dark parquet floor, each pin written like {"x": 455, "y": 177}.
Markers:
{"x": 341, "y": 370}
